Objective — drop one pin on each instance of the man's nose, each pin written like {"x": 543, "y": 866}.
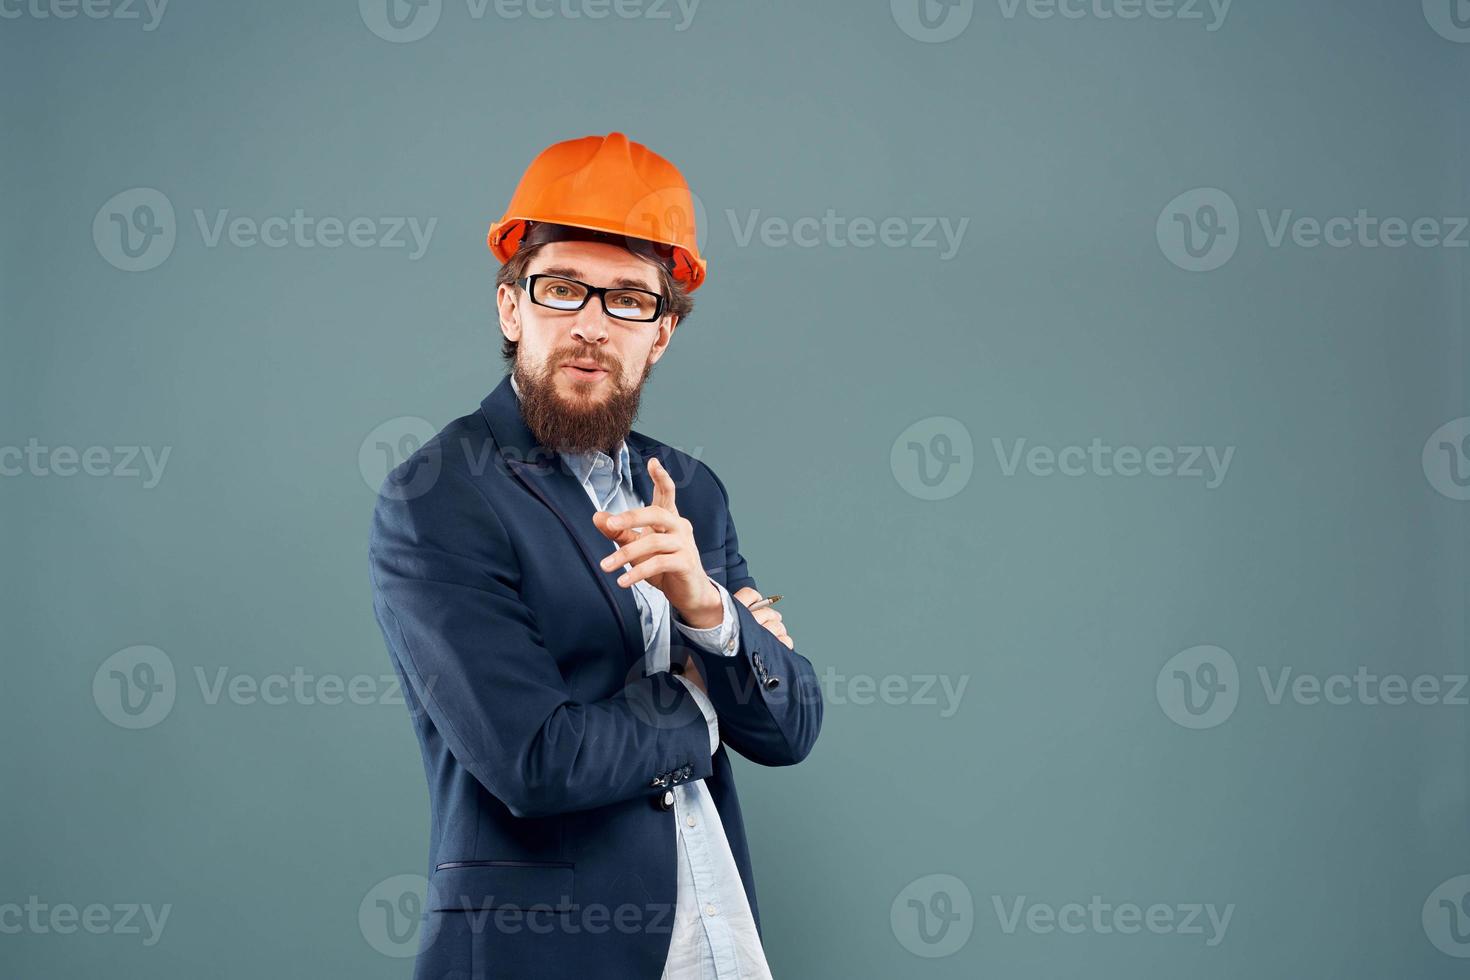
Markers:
{"x": 590, "y": 324}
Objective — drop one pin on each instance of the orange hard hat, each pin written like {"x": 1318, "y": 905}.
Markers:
{"x": 607, "y": 184}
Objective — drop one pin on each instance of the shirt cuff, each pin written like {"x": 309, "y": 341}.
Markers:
{"x": 711, "y": 719}
{"x": 723, "y": 639}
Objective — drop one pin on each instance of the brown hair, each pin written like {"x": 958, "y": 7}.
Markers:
{"x": 678, "y": 302}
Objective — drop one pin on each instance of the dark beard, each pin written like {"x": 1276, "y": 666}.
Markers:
{"x": 580, "y": 427}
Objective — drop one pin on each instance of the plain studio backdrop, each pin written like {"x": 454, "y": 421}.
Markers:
{"x": 1090, "y": 376}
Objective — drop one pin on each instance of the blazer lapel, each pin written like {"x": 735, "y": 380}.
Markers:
{"x": 543, "y": 472}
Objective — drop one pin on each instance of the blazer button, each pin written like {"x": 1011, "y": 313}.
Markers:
{"x": 772, "y": 683}
{"x": 666, "y": 800}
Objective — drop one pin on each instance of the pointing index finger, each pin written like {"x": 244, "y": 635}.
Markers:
{"x": 663, "y": 485}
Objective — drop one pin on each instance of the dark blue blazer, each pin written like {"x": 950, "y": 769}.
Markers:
{"x": 547, "y": 749}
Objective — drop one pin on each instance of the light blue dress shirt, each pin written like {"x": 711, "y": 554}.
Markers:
{"x": 714, "y": 934}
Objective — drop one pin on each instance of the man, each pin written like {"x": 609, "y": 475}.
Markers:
{"x": 554, "y": 589}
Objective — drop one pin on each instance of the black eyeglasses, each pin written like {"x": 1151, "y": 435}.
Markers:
{"x": 620, "y": 302}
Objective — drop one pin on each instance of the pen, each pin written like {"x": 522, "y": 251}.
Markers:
{"x": 769, "y": 600}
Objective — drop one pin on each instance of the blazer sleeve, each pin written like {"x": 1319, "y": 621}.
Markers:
{"x": 773, "y": 724}
{"x": 446, "y": 594}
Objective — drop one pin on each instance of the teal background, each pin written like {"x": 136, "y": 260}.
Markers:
{"x": 1059, "y": 599}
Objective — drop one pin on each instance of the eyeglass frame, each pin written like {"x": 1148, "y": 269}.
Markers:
{"x": 526, "y": 282}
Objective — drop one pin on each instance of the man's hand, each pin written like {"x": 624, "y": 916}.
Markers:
{"x": 767, "y": 616}
{"x": 660, "y": 546}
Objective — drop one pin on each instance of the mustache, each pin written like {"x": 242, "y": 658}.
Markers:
{"x": 583, "y": 355}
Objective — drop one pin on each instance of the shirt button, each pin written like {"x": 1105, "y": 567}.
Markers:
{"x": 689, "y": 821}
{"x": 709, "y": 910}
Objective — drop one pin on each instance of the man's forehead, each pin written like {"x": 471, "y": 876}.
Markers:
{"x": 595, "y": 262}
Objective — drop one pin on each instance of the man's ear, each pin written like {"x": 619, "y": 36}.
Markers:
{"x": 510, "y": 312}
{"x": 666, "y": 333}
